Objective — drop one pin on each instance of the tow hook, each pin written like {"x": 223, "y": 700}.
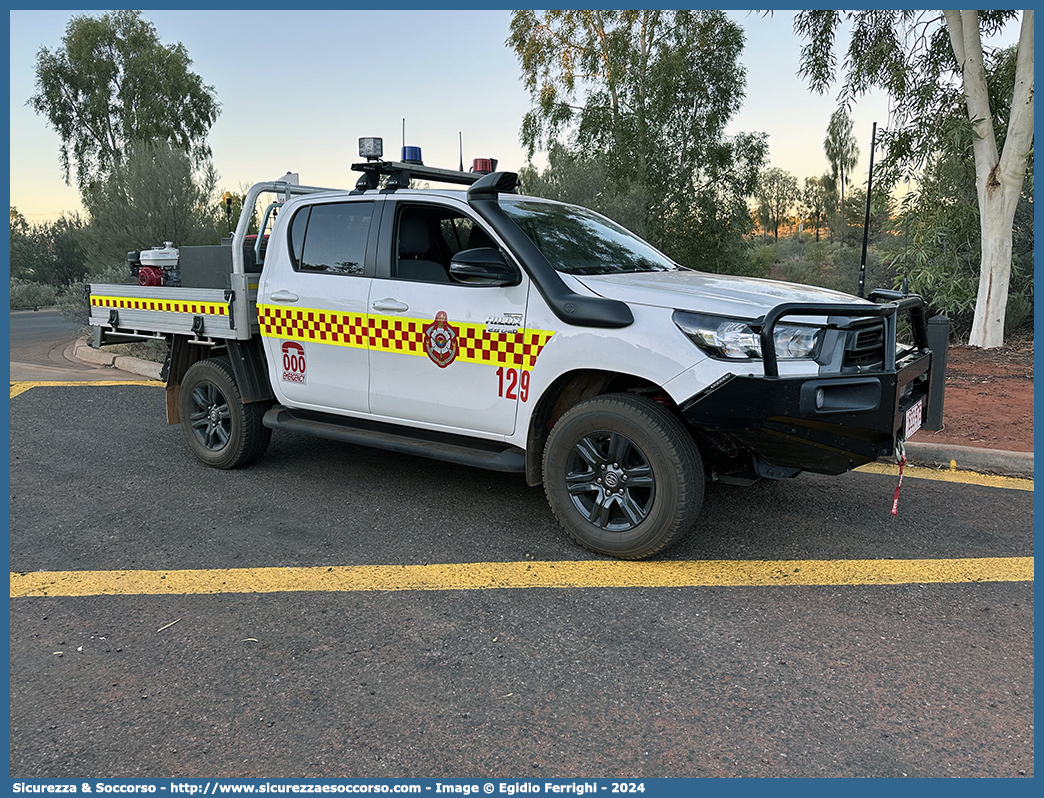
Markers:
{"x": 900, "y": 458}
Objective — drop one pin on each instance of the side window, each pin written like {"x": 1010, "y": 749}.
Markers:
{"x": 427, "y": 238}
{"x": 331, "y": 238}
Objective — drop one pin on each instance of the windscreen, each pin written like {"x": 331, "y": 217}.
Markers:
{"x": 578, "y": 241}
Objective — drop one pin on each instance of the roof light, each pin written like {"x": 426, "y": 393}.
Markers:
{"x": 411, "y": 155}
{"x": 371, "y": 148}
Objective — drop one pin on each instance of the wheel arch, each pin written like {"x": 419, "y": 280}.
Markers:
{"x": 565, "y": 392}
{"x": 247, "y": 359}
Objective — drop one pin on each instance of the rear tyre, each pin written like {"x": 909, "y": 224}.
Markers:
{"x": 623, "y": 476}
{"x": 221, "y": 431}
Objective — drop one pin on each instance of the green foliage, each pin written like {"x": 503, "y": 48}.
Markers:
{"x": 26, "y": 295}
{"x": 18, "y": 222}
{"x": 231, "y": 208}
{"x": 51, "y": 253}
{"x": 571, "y": 177}
{"x": 111, "y": 83}
{"x": 832, "y": 206}
{"x": 882, "y": 209}
{"x": 152, "y": 197}
{"x": 633, "y": 105}
{"x": 841, "y": 149}
{"x": 941, "y": 253}
{"x": 906, "y": 53}
{"x": 802, "y": 259}
{"x": 762, "y": 259}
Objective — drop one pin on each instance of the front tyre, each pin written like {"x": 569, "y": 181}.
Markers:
{"x": 221, "y": 431}
{"x": 623, "y": 476}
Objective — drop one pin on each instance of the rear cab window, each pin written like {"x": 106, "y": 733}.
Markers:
{"x": 331, "y": 238}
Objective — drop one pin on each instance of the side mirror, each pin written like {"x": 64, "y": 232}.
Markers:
{"x": 483, "y": 266}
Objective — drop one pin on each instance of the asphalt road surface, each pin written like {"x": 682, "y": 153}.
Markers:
{"x": 842, "y": 679}
{"x": 40, "y": 349}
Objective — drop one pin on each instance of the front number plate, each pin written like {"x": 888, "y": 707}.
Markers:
{"x": 913, "y": 419}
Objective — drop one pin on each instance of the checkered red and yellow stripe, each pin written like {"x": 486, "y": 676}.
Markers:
{"x": 166, "y": 305}
{"x": 406, "y": 336}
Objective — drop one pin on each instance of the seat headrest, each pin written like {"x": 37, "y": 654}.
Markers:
{"x": 413, "y": 236}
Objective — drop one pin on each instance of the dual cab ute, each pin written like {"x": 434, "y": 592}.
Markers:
{"x": 502, "y": 331}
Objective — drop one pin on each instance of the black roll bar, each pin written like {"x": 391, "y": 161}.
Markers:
{"x": 911, "y": 302}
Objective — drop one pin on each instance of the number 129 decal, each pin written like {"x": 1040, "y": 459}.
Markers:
{"x": 513, "y": 384}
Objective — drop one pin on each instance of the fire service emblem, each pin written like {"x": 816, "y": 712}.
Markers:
{"x": 441, "y": 341}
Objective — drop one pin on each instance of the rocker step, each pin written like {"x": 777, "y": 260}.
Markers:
{"x": 423, "y": 443}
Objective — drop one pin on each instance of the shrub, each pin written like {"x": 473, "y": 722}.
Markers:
{"x": 72, "y": 302}
{"x": 762, "y": 259}
{"x": 27, "y": 295}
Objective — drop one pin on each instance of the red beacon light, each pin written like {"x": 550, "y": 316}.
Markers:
{"x": 483, "y": 166}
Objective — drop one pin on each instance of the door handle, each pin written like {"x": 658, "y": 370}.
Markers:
{"x": 391, "y": 304}
{"x": 283, "y": 296}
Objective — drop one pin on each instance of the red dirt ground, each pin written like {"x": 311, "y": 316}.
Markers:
{"x": 988, "y": 400}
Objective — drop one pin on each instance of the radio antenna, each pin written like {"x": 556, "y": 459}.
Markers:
{"x": 460, "y": 137}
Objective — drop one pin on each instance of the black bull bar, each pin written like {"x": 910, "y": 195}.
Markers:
{"x": 826, "y": 423}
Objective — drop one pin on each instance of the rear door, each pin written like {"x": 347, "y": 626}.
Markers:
{"x": 312, "y": 304}
{"x": 442, "y": 352}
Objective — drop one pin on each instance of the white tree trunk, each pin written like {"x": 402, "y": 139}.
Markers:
{"x": 998, "y": 178}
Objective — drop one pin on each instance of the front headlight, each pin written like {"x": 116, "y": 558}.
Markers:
{"x": 738, "y": 339}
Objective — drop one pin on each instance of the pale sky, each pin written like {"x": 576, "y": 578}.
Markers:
{"x": 298, "y": 88}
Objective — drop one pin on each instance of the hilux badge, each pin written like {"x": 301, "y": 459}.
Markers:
{"x": 505, "y": 323}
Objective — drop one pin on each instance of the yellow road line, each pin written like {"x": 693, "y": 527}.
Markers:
{"x": 951, "y": 475}
{"x": 21, "y": 387}
{"x": 501, "y": 575}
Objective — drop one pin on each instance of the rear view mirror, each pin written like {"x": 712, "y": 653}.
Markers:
{"x": 483, "y": 266}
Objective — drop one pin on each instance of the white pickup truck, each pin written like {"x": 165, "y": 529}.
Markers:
{"x": 513, "y": 333}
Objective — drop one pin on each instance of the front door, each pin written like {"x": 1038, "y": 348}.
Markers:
{"x": 443, "y": 352}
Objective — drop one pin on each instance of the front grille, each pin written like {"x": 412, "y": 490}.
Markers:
{"x": 864, "y": 348}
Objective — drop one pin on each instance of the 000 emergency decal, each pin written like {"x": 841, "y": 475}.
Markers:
{"x": 442, "y": 341}
{"x": 294, "y": 363}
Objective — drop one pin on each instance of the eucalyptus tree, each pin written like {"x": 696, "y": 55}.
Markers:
{"x": 814, "y": 201}
{"x": 113, "y": 82}
{"x": 777, "y": 194}
{"x": 51, "y": 252}
{"x": 643, "y": 99}
{"x": 923, "y": 59}
{"x": 942, "y": 246}
{"x": 155, "y": 194}
{"x": 843, "y": 154}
